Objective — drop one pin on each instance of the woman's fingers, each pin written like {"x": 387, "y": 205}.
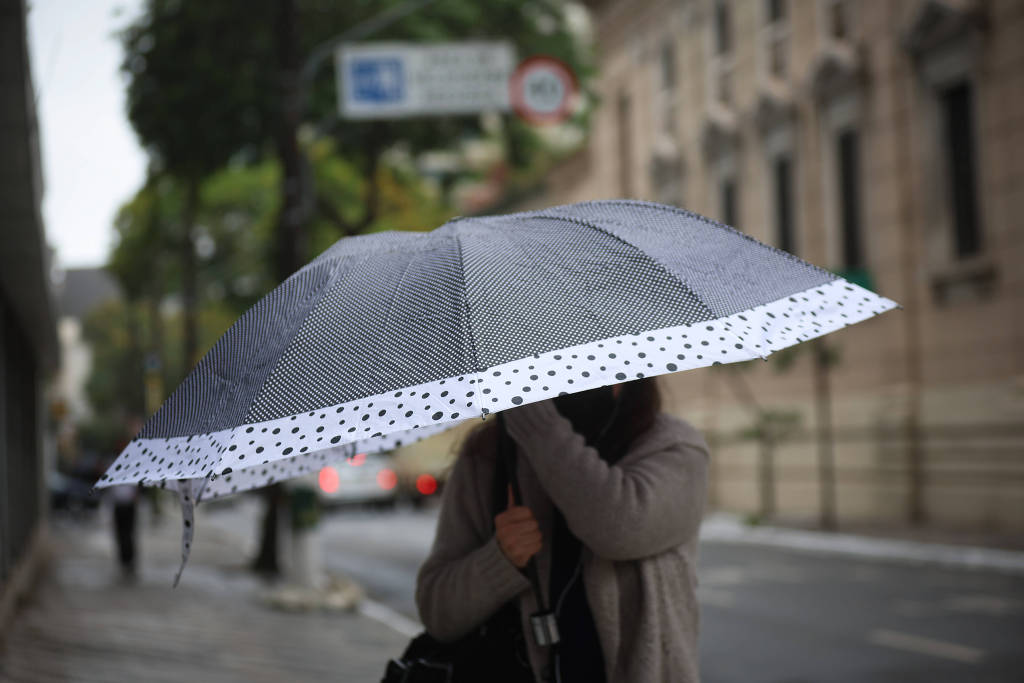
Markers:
{"x": 518, "y": 535}
{"x": 514, "y": 514}
{"x": 519, "y": 552}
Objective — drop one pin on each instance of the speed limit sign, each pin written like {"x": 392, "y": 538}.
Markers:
{"x": 543, "y": 90}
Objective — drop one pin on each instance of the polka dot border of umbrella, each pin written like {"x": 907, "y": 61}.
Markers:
{"x": 388, "y": 338}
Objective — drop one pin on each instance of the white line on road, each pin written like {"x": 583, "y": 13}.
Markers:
{"x": 926, "y": 646}
{"x": 716, "y": 597}
{"x": 390, "y": 618}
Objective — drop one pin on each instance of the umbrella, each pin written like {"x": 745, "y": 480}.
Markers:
{"x": 389, "y": 337}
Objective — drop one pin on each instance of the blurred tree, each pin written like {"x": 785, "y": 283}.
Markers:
{"x": 198, "y": 98}
{"x": 233, "y": 232}
{"x": 771, "y": 427}
{"x": 116, "y": 383}
{"x": 214, "y": 82}
{"x": 139, "y": 341}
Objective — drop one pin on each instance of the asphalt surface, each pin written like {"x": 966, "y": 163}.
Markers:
{"x": 769, "y": 614}
{"x": 774, "y": 615}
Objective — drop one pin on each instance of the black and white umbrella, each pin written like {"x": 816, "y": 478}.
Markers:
{"x": 386, "y": 338}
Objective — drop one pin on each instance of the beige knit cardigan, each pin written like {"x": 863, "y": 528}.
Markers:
{"x": 637, "y": 520}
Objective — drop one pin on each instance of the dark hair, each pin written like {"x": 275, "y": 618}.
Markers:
{"x": 638, "y": 405}
{"x": 608, "y": 423}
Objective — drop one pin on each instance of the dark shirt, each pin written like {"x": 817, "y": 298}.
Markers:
{"x": 578, "y": 657}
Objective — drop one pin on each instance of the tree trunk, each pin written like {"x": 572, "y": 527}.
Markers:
{"x": 138, "y": 400}
{"x": 911, "y": 298}
{"x": 154, "y": 357}
{"x": 826, "y": 446}
{"x": 296, "y": 181}
{"x": 290, "y": 242}
{"x": 189, "y": 298}
{"x": 767, "y": 470}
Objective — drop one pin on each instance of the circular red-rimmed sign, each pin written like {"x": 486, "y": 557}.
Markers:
{"x": 542, "y": 90}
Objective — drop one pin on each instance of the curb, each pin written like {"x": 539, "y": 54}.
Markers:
{"x": 728, "y": 529}
{"x": 389, "y": 617}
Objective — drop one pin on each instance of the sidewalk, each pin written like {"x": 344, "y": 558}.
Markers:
{"x": 85, "y": 624}
{"x": 727, "y": 528}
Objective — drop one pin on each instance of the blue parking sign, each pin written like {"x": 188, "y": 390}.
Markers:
{"x": 377, "y": 80}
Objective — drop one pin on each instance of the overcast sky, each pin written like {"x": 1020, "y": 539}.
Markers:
{"x": 92, "y": 162}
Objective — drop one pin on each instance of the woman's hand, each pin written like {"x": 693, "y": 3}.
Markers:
{"x": 518, "y": 533}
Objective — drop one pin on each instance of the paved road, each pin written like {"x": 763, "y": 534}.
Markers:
{"x": 773, "y": 615}
{"x": 770, "y": 615}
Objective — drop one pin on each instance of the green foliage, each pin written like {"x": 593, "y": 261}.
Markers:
{"x": 115, "y": 386}
{"x": 204, "y": 78}
{"x": 234, "y": 237}
{"x": 200, "y": 81}
{"x": 148, "y": 225}
{"x": 206, "y": 86}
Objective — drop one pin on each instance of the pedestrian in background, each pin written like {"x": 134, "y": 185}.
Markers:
{"x": 125, "y": 502}
{"x": 613, "y": 494}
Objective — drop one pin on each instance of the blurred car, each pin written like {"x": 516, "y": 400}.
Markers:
{"x": 419, "y": 486}
{"x": 364, "y": 480}
{"x": 70, "y": 493}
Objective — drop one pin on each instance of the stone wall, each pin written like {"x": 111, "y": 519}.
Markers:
{"x": 927, "y": 402}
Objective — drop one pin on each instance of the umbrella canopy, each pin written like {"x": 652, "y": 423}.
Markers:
{"x": 388, "y": 337}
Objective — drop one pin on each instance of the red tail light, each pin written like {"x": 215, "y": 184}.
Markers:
{"x": 426, "y": 484}
{"x": 328, "y": 480}
{"x": 387, "y": 479}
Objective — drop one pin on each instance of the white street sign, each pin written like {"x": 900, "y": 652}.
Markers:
{"x": 394, "y": 80}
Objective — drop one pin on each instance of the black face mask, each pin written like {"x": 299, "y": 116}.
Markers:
{"x": 589, "y": 411}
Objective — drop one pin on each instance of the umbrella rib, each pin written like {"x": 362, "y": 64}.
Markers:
{"x": 722, "y": 226}
{"x": 394, "y": 296}
{"x": 468, "y": 320}
{"x": 593, "y": 225}
{"x": 661, "y": 266}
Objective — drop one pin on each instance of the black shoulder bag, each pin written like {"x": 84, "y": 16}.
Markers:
{"x": 493, "y": 652}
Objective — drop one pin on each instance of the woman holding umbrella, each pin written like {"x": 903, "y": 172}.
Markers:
{"x": 612, "y": 497}
{"x": 387, "y": 338}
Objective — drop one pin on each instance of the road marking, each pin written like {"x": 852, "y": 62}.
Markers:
{"x": 723, "y": 576}
{"x": 926, "y": 646}
{"x": 914, "y": 608}
{"x": 390, "y": 618}
{"x": 989, "y": 605}
{"x": 716, "y": 597}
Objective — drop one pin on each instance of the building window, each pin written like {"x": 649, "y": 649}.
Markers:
{"x": 723, "y": 29}
{"x": 623, "y": 116}
{"x": 837, "y": 18}
{"x": 722, "y": 59}
{"x": 782, "y": 172}
{"x": 848, "y": 175}
{"x": 728, "y": 201}
{"x": 956, "y": 103}
{"x": 668, "y": 78}
{"x": 668, "y": 65}
{"x": 776, "y": 37}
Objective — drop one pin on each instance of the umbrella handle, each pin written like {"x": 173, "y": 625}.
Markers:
{"x": 543, "y": 621}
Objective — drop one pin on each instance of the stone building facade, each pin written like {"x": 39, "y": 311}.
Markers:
{"x": 885, "y": 141}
